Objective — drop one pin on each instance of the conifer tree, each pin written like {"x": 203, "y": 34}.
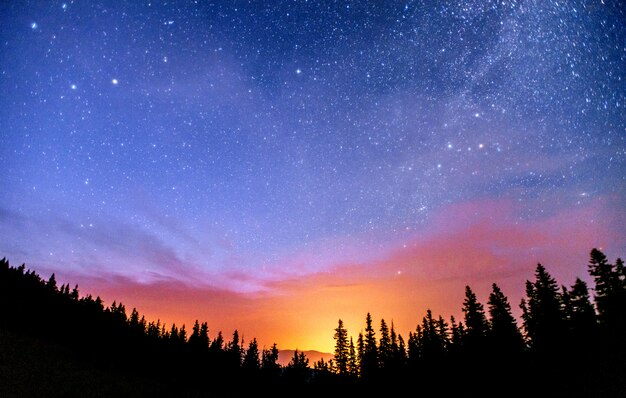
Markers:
{"x": 217, "y": 345}
{"x": 194, "y": 337}
{"x": 542, "y": 312}
{"x": 384, "y": 347}
{"x": 428, "y": 344}
{"x": 182, "y": 334}
{"x": 475, "y": 322}
{"x": 174, "y": 336}
{"x": 581, "y": 313}
{"x": 360, "y": 353}
{"x": 203, "y": 339}
{"x": 369, "y": 363}
{"x": 393, "y": 338}
{"x": 323, "y": 369}
{"x": 610, "y": 291}
{"x": 341, "y": 349}
{"x": 415, "y": 346}
{"x": 456, "y": 335}
{"x": 269, "y": 362}
{"x": 52, "y": 283}
{"x": 605, "y": 279}
{"x": 504, "y": 335}
{"x": 251, "y": 362}
{"x": 353, "y": 369}
{"x": 398, "y": 350}
{"x": 136, "y": 326}
{"x": 443, "y": 333}
{"x": 234, "y": 350}
{"x": 74, "y": 294}
{"x": 297, "y": 370}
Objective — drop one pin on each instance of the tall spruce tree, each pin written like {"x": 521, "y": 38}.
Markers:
{"x": 360, "y": 352}
{"x": 505, "y": 337}
{"x": 341, "y": 349}
{"x": 476, "y": 326}
{"x": 297, "y": 370}
{"x": 251, "y": 362}
{"x": 353, "y": 368}
{"x": 398, "y": 354}
{"x": 234, "y": 350}
{"x": 542, "y": 313}
{"x": 203, "y": 340}
{"x": 385, "y": 352}
{"x": 369, "y": 363}
{"x": 217, "y": 345}
{"x": 610, "y": 291}
{"x": 269, "y": 362}
{"x": 194, "y": 337}
{"x": 581, "y": 313}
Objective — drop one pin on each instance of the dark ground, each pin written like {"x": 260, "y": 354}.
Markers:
{"x": 34, "y": 368}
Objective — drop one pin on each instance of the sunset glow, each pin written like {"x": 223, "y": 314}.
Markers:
{"x": 274, "y": 168}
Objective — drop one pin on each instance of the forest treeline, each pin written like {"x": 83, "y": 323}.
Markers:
{"x": 571, "y": 341}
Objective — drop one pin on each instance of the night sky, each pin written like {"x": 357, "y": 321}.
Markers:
{"x": 216, "y": 160}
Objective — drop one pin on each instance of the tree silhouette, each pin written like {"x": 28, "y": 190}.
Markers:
{"x": 52, "y": 283}
{"x": 234, "y": 351}
{"x": 341, "y": 349}
{"x": 385, "y": 351}
{"x": 428, "y": 345}
{"x": 610, "y": 290}
{"x": 269, "y": 363}
{"x": 194, "y": 337}
{"x": 476, "y": 326}
{"x": 542, "y": 313}
{"x": 353, "y": 366}
{"x": 457, "y": 332}
{"x": 203, "y": 340}
{"x": 217, "y": 345}
{"x": 369, "y": 363}
{"x": 580, "y": 313}
{"x": 251, "y": 362}
{"x": 297, "y": 370}
{"x": 573, "y": 351}
{"x": 360, "y": 353}
{"x": 505, "y": 336}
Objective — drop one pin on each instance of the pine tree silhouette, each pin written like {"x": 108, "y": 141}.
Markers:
{"x": 581, "y": 314}
{"x": 297, "y": 370}
{"x": 573, "y": 351}
{"x": 269, "y": 364}
{"x": 610, "y": 290}
{"x": 234, "y": 351}
{"x": 251, "y": 362}
{"x": 505, "y": 337}
{"x": 360, "y": 353}
{"x": 341, "y": 349}
{"x": 542, "y": 313}
{"x": 369, "y": 362}
{"x": 385, "y": 352}
{"x": 353, "y": 366}
{"x": 476, "y": 326}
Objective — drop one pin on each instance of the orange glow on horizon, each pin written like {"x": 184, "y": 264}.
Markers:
{"x": 301, "y": 312}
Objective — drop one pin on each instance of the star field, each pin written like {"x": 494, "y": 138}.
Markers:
{"x": 225, "y": 137}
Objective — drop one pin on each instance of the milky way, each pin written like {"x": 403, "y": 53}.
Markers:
{"x": 233, "y": 143}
